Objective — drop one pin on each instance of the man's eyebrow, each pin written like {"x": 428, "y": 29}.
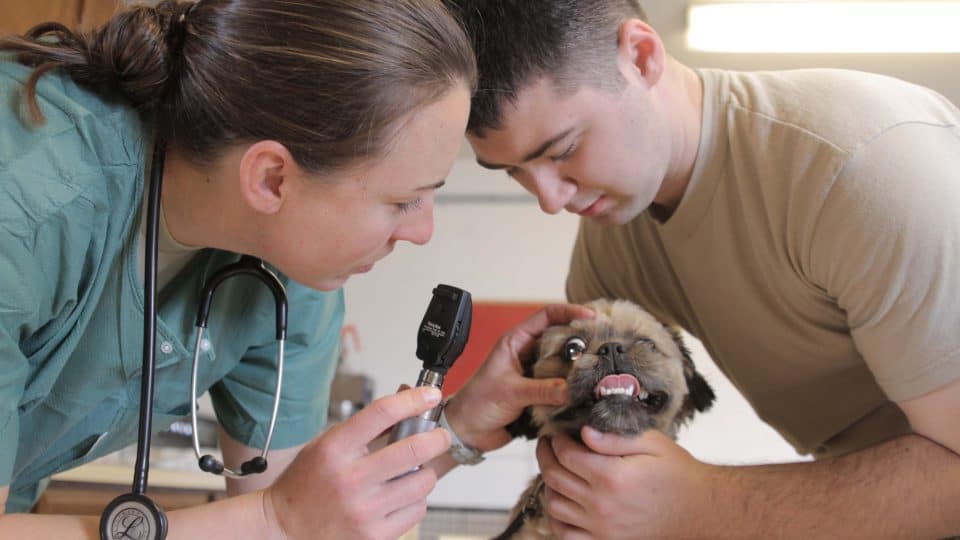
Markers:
{"x": 438, "y": 185}
{"x": 532, "y": 155}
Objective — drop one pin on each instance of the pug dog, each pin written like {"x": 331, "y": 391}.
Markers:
{"x": 626, "y": 373}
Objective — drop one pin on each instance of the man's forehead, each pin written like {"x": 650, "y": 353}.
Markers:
{"x": 539, "y": 113}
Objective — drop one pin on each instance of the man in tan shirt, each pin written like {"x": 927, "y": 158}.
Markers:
{"x": 803, "y": 225}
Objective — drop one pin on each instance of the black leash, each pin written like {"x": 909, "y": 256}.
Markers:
{"x": 531, "y": 507}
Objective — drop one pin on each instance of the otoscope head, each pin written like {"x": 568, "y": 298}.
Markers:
{"x": 445, "y": 328}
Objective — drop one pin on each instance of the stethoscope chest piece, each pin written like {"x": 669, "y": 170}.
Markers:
{"x": 133, "y": 517}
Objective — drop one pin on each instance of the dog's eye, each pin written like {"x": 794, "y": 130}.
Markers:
{"x": 573, "y": 349}
{"x": 648, "y": 342}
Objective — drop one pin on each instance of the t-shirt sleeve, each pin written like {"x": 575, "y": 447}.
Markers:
{"x": 887, "y": 247}
{"x": 20, "y": 290}
{"x": 243, "y": 400}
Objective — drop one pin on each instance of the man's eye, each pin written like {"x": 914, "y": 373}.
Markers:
{"x": 566, "y": 153}
{"x": 573, "y": 349}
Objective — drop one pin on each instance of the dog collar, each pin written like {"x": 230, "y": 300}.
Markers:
{"x": 531, "y": 507}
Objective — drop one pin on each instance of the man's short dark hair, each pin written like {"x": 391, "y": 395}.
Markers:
{"x": 519, "y": 41}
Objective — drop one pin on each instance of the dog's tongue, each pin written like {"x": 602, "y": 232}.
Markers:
{"x": 613, "y": 382}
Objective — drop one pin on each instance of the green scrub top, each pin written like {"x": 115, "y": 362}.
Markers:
{"x": 71, "y": 302}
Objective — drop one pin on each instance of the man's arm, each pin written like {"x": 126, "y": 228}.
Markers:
{"x": 235, "y": 453}
{"x": 905, "y": 488}
{"x": 909, "y": 487}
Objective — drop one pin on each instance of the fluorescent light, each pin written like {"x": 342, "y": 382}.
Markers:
{"x": 825, "y": 27}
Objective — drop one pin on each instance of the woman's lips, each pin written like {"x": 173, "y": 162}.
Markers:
{"x": 596, "y": 208}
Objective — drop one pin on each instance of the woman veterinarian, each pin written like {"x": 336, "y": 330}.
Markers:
{"x": 309, "y": 135}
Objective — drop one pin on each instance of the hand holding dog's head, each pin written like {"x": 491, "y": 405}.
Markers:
{"x": 626, "y": 372}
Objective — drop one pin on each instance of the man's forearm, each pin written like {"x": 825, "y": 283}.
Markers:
{"x": 905, "y": 488}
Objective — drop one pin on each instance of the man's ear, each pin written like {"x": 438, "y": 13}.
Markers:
{"x": 267, "y": 172}
{"x": 641, "y": 50}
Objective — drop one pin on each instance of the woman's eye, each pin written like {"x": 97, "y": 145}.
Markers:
{"x": 573, "y": 349}
{"x": 410, "y": 206}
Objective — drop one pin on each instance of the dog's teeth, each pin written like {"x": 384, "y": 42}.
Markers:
{"x": 628, "y": 390}
{"x": 642, "y": 395}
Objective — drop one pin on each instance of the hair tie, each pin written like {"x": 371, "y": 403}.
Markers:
{"x": 177, "y": 32}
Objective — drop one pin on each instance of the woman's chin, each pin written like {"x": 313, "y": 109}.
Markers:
{"x": 328, "y": 284}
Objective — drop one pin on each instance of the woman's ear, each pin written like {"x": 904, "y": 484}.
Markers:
{"x": 640, "y": 51}
{"x": 267, "y": 172}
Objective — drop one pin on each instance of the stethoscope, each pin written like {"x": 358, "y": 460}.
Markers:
{"x": 134, "y": 515}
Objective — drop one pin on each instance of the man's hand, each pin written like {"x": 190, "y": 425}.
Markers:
{"x": 619, "y": 487}
{"x": 498, "y": 392}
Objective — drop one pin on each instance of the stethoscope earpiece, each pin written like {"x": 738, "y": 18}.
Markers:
{"x": 254, "y": 466}
{"x": 210, "y": 464}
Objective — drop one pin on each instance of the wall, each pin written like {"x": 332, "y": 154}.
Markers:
{"x": 492, "y": 240}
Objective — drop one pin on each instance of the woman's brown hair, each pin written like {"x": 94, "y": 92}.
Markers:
{"x": 329, "y": 79}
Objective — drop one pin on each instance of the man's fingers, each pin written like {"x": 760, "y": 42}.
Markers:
{"x": 556, "y": 477}
{"x": 651, "y": 442}
{"x": 543, "y": 392}
{"x": 578, "y": 459}
{"x": 563, "y": 509}
{"x": 355, "y": 433}
{"x": 524, "y": 335}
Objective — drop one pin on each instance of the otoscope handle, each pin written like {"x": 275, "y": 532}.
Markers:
{"x": 426, "y": 420}
{"x": 412, "y": 426}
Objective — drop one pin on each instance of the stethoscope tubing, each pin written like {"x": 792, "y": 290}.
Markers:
{"x": 142, "y": 464}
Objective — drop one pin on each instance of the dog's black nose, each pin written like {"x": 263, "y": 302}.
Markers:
{"x": 611, "y": 349}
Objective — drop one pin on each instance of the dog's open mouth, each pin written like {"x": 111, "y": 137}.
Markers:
{"x": 619, "y": 385}
{"x": 626, "y": 387}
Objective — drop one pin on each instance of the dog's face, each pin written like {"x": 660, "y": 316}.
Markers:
{"x": 626, "y": 373}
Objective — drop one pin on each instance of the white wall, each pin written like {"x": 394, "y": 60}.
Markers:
{"x": 492, "y": 240}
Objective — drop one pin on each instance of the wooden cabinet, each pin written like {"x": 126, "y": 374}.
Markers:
{"x": 17, "y": 16}
{"x": 90, "y": 499}
{"x": 88, "y": 489}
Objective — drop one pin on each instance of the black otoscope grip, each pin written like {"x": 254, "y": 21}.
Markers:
{"x": 441, "y": 339}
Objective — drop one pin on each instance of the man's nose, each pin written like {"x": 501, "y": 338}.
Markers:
{"x": 552, "y": 190}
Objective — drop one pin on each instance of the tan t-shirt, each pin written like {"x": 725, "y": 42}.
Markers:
{"x": 815, "y": 253}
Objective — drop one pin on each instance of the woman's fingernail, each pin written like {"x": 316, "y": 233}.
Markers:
{"x": 431, "y": 395}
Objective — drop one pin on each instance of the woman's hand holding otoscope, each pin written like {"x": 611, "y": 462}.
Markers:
{"x": 338, "y": 488}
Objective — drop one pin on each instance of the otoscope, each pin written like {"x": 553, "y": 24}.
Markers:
{"x": 440, "y": 341}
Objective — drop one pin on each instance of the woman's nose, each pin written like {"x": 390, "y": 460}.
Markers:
{"x": 417, "y": 228}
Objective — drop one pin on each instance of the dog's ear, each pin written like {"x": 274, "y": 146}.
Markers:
{"x": 700, "y": 394}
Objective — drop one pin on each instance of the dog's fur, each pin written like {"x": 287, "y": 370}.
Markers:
{"x": 622, "y": 340}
